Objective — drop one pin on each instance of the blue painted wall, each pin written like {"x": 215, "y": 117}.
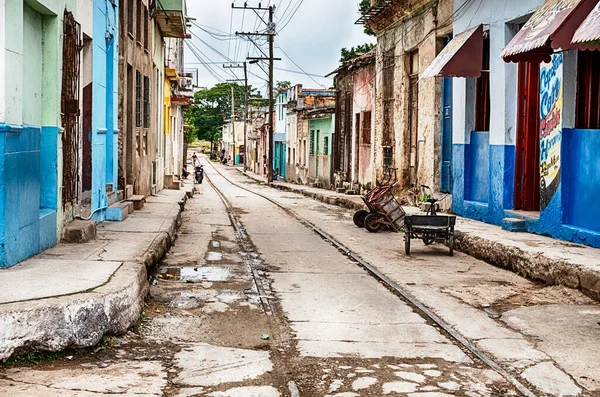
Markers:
{"x": 104, "y": 102}
{"x": 572, "y": 214}
{"x": 581, "y": 178}
{"x": 28, "y": 187}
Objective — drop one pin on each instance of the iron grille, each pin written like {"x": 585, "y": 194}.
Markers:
{"x": 138, "y": 98}
{"x": 70, "y": 106}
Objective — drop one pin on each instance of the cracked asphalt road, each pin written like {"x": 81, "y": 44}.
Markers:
{"x": 272, "y": 308}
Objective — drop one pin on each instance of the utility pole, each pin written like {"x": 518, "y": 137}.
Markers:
{"x": 233, "y": 123}
{"x": 270, "y": 33}
{"x": 245, "y": 80}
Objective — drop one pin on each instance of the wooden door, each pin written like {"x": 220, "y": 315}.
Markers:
{"x": 527, "y": 166}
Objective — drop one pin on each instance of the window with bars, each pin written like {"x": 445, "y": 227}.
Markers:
{"x": 482, "y": 98}
{"x": 146, "y": 31}
{"x": 326, "y": 145}
{"x": 130, "y": 7}
{"x": 139, "y": 23}
{"x": 138, "y": 98}
{"x": 311, "y": 146}
{"x": 365, "y": 132}
{"x": 588, "y": 91}
{"x": 146, "y": 102}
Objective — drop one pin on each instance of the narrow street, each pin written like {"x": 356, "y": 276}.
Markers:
{"x": 252, "y": 302}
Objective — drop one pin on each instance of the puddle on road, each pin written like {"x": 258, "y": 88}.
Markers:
{"x": 214, "y": 256}
{"x": 206, "y": 273}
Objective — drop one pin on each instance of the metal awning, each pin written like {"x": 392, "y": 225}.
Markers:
{"x": 549, "y": 29}
{"x": 456, "y": 59}
{"x": 587, "y": 36}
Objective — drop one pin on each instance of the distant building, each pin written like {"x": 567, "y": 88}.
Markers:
{"x": 311, "y": 116}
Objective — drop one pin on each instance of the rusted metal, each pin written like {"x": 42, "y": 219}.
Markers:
{"x": 70, "y": 106}
{"x": 455, "y": 60}
{"x": 587, "y": 36}
{"x": 550, "y": 28}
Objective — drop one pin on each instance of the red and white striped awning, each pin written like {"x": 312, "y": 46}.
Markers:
{"x": 549, "y": 29}
{"x": 587, "y": 36}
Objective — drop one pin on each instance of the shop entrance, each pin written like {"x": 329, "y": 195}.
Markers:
{"x": 527, "y": 165}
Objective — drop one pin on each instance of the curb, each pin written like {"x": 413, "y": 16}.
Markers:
{"x": 81, "y": 320}
{"x": 533, "y": 266}
{"x": 339, "y": 201}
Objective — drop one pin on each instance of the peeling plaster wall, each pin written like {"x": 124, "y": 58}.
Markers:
{"x": 363, "y": 88}
{"x": 402, "y": 37}
{"x": 135, "y": 154}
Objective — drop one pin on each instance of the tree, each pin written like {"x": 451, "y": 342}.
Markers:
{"x": 355, "y": 51}
{"x": 212, "y": 107}
{"x": 283, "y": 84}
{"x": 363, "y": 7}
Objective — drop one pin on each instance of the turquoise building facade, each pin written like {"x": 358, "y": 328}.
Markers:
{"x": 32, "y": 105}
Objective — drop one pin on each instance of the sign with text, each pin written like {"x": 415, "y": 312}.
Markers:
{"x": 551, "y": 108}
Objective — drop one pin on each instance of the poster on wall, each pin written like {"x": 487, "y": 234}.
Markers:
{"x": 551, "y": 106}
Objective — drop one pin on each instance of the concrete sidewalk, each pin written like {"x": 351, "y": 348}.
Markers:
{"x": 539, "y": 258}
{"x": 69, "y": 296}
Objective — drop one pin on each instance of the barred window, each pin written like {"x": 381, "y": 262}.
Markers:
{"x": 146, "y": 102}
{"x": 138, "y": 98}
{"x": 311, "y": 147}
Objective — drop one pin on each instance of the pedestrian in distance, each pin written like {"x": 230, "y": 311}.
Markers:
{"x": 194, "y": 159}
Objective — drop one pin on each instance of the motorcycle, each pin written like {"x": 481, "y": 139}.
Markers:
{"x": 199, "y": 174}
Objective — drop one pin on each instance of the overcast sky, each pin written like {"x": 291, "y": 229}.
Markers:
{"x": 312, "y": 38}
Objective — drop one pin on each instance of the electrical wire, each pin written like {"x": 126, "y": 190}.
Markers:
{"x": 299, "y": 67}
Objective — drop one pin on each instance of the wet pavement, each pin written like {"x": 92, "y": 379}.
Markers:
{"x": 250, "y": 302}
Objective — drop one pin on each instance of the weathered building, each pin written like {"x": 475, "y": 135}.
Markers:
{"x": 408, "y": 115}
{"x": 58, "y": 89}
{"x": 527, "y": 116}
{"x": 141, "y": 82}
{"x": 305, "y": 104}
{"x": 178, "y": 96}
{"x": 353, "y": 151}
{"x": 280, "y": 138}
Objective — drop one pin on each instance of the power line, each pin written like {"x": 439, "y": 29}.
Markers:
{"x": 298, "y": 66}
{"x": 292, "y": 16}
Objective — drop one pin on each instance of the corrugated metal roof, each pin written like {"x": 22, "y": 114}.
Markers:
{"x": 540, "y": 28}
{"x": 449, "y": 63}
{"x": 587, "y": 35}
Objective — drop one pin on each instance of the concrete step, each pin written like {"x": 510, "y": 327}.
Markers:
{"x": 138, "y": 201}
{"x": 111, "y": 197}
{"x": 172, "y": 182}
{"x": 128, "y": 191}
{"x": 130, "y": 206}
{"x": 79, "y": 231}
{"x": 117, "y": 212}
{"x": 351, "y": 192}
{"x": 514, "y": 224}
{"x": 120, "y": 195}
{"x": 340, "y": 190}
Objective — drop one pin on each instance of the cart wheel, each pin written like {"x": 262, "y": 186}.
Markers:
{"x": 451, "y": 244}
{"x": 407, "y": 243}
{"x": 372, "y": 223}
{"x": 429, "y": 239}
{"x": 359, "y": 217}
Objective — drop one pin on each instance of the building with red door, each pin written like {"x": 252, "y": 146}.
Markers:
{"x": 526, "y": 117}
